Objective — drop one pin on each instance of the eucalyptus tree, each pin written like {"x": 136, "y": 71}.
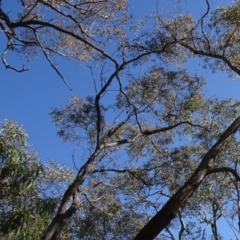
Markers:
{"x": 19, "y": 169}
{"x": 154, "y": 168}
{"x": 215, "y": 39}
{"x": 26, "y": 208}
{"x": 153, "y": 144}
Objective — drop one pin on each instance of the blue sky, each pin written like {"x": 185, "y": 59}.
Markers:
{"x": 28, "y": 97}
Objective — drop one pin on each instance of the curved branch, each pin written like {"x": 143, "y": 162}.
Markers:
{"x": 5, "y": 61}
{"x": 33, "y": 22}
{"x": 157, "y": 130}
{"x": 213, "y": 55}
{"x": 4, "y": 16}
{"x": 170, "y": 233}
{"x": 201, "y": 20}
{"x": 225, "y": 169}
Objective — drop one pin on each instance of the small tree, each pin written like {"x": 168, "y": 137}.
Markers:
{"x": 26, "y": 208}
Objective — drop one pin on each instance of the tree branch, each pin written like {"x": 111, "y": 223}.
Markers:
{"x": 63, "y": 214}
{"x": 172, "y": 206}
{"x": 157, "y": 130}
{"x": 5, "y": 61}
{"x": 49, "y": 60}
{"x": 225, "y": 169}
{"x": 57, "y": 28}
{"x": 183, "y": 225}
{"x": 131, "y": 172}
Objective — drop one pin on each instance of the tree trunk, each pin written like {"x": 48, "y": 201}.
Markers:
{"x": 170, "y": 209}
{"x": 64, "y": 212}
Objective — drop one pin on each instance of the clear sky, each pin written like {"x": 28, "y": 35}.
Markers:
{"x": 28, "y": 97}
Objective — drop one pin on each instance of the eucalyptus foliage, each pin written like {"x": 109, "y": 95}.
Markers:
{"x": 160, "y": 160}
{"x": 26, "y": 205}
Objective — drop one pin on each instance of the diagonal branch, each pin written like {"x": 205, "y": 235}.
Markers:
{"x": 49, "y": 60}
{"x": 172, "y": 206}
{"x": 33, "y": 22}
{"x": 211, "y": 55}
{"x": 64, "y": 212}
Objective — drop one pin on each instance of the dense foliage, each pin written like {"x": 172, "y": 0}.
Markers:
{"x": 29, "y": 189}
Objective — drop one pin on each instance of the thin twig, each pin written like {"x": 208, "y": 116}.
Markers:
{"x": 50, "y": 61}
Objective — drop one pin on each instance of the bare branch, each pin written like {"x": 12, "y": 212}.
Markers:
{"x": 29, "y": 11}
{"x": 170, "y": 233}
{"x": 50, "y": 61}
{"x": 202, "y": 28}
{"x": 33, "y": 22}
{"x": 132, "y": 172}
{"x": 147, "y": 132}
{"x": 4, "y": 16}
{"x": 183, "y": 225}
{"x": 5, "y": 61}
{"x": 228, "y": 40}
{"x": 225, "y": 169}
{"x": 213, "y": 55}
{"x": 129, "y": 102}
{"x": 97, "y": 105}
{"x": 157, "y": 130}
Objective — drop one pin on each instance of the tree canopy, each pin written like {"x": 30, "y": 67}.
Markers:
{"x": 160, "y": 160}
